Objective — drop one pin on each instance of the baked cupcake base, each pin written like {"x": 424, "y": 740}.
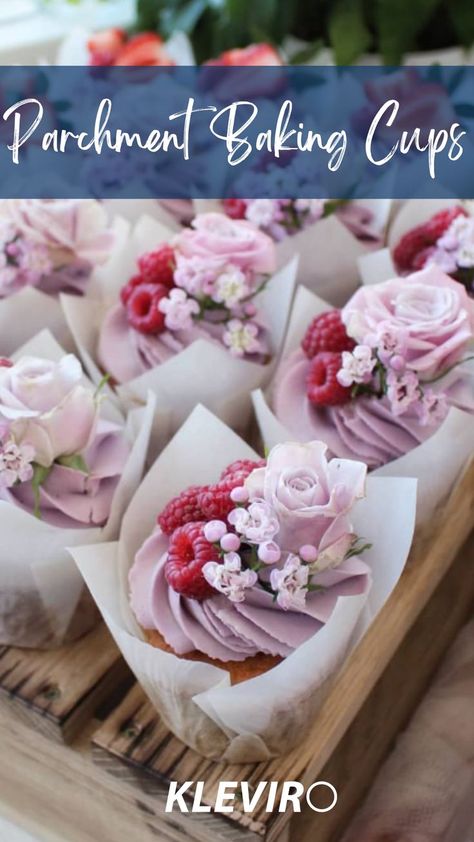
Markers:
{"x": 238, "y": 670}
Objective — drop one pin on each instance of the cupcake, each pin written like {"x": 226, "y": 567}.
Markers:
{"x": 67, "y": 466}
{"x": 445, "y": 239}
{"x": 243, "y": 571}
{"x": 236, "y": 607}
{"x": 377, "y": 378}
{"x": 204, "y": 300}
{"x": 329, "y": 236}
{"x": 47, "y": 247}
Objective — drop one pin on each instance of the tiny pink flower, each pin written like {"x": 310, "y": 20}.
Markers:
{"x": 228, "y": 578}
{"x": 15, "y": 463}
{"x": 257, "y": 524}
{"x": 231, "y": 286}
{"x": 197, "y": 275}
{"x": 432, "y": 407}
{"x": 178, "y": 309}
{"x": 290, "y": 584}
{"x": 357, "y": 366}
{"x": 402, "y": 391}
{"x": 242, "y": 338}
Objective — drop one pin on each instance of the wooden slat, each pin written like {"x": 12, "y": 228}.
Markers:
{"x": 58, "y": 690}
{"x": 134, "y": 734}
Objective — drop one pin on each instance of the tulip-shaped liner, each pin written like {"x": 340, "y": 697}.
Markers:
{"x": 449, "y": 447}
{"x": 205, "y": 371}
{"x": 71, "y": 237}
{"x": 263, "y": 716}
{"x": 328, "y": 249}
{"x": 43, "y": 601}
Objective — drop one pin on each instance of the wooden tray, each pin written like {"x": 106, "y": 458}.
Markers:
{"x": 57, "y": 691}
{"x": 370, "y": 701}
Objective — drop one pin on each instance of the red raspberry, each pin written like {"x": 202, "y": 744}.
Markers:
{"x": 440, "y": 222}
{"x": 157, "y": 267}
{"x": 182, "y": 509}
{"x": 142, "y": 308}
{"x": 322, "y": 385}
{"x": 188, "y": 552}
{"x": 413, "y": 249}
{"x": 235, "y": 208}
{"x": 5, "y": 362}
{"x": 126, "y": 291}
{"x": 326, "y": 332}
{"x": 215, "y": 502}
{"x": 242, "y": 468}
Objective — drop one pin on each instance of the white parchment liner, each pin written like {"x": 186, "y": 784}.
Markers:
{"x": 436, "y": 463}
{"x": 266, "y": 715}
{"x": 42, "y": 598}
{"x": 204, "y": 372}
{"x": 327, "y": 251}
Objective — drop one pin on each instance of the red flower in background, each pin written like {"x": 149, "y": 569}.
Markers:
{"x": 255, "y": 55}
{"x": 113, "y": 47}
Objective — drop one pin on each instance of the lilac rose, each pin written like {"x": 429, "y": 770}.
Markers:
{"x": 310, "y": 496}
{"x": 47, "y": 407}
{"x": 431, "y": 310}
{"x": 234, "y": 241}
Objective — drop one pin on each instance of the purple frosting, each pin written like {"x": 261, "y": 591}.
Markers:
{"x": 71, "y": 499}
{"x": 231, "y": 631}
{"x": 364, "y": 429}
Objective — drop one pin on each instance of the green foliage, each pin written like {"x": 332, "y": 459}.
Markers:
{"x": 351, "y": 27}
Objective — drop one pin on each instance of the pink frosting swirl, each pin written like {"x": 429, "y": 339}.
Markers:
{"x": 233, "y": 631}
{"x": 430, "y": 308}
{"x": 364, "y": 429}
{"x": 71, "y": 499}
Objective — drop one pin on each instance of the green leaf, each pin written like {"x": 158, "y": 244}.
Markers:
{"x": 348, "y": 33}
{"x": 398, "y": 23}
{"x": 40, "y": 475}
{"x": 461, "y": 13}
{"x": 76, "y": 462}
{"x": 101, "y": 385}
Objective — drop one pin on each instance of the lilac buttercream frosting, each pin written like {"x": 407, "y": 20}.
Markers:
{"x": 365, "y": 428}
{"x": 71, "y": 499}
{"x": 231, "y": 631}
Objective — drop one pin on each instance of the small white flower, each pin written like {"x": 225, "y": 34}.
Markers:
{"x": 262, "y": 212}
{"x": 242, "y": 338}
{"x": 432, "y": 407}
{"x": 228, "y": 578}
{"x": 257, "y": 524}
{"x": 465, "y": 256}
{"x": 230, "y": 286}
{"x": 15, "y": 463}
{"x": 357, "y": 366}
{"x": 290, "y": 584}
{"x": 178, "y": 309}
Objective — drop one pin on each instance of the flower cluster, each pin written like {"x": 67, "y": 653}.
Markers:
{"x": 392, "y": 341}
{"x": 51, "y": 244}
{"x": 445, "y": 241}
{"x": 279, "y": 524}
{"x": 209, "y": 276}
{"x": 47, "y": 416}
{"x": 279, "y": 218}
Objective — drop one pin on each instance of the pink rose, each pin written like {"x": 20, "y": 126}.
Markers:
{"x": 72, "y": 229}
{"x": 310, "y": 496}
{"x": 233, "y": 240}
{"x": 432, "y": 311}
{"x": 45, "y": 405}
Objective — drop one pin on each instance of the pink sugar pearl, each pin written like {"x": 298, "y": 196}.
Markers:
{"x": 308, "y": 553}
{"x": 214, "y": 530}
{"x": 230, "y": 542}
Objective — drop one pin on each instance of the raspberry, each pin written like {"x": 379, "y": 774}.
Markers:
{"x": 215, "y": 501}
{"x": 322, "y": 385}
{"x": 182, "y": 509}
{"x": 440, "y": 222}
{"x": 127, "y": 290}
{"x": 188, "y": 552}
{"x": 5, "y": 362}
{"x": 413, "y": 248}
{"x": 326, "y": 332}
{"x": 235, "y": 208}
{"x": 157, "y": 267}
{"x": 142, "y": 308}
{"x": 242, "y": 468}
